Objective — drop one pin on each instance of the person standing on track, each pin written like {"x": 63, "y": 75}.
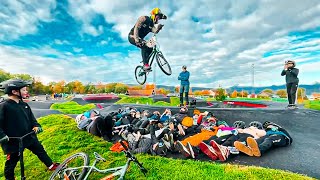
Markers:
{"x": 184, "y": 85}
{"x": 292, "y": 82}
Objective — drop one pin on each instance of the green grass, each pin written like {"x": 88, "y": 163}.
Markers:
{"x": 71, "y": 107}
{"x": 122, "y": 95}
{"x": 61, "y": 139}
{"x": 312, "y": 104}
{"x": 174, "y": 101}
{"x": 135, "y": 100}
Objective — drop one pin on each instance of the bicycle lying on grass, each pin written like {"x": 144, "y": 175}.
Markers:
{"x": 141, "y": 74}
{"x": 76, "y": 167}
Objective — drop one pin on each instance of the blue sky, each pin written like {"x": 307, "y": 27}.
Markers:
{"x": 218, "y": 40}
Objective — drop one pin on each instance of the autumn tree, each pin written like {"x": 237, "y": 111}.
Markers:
{"x": 37, "y": 87}
{"x": 59, "y": 87}
{"x": 139, "y": 87}
{"x": 205, "y": 92}
{"x": 268, "y": 91}
{"x": 301, "y": 94}
{"x": 121, "y": 88}
{"x": 220, "y": 94}
{"x": 234, "y": 94}
{"x": 243, "y": 94}
{"x": 163, "y": 91}
{"x": 281, "y": 93}
{"x": 4, "y": 75}
{"x": 197, "y": 93}
{"x": 177, "y": 89}
{"x": 75, "y": 87}
{"x": 25, "y": 77}
{"x": 110, "y": 87}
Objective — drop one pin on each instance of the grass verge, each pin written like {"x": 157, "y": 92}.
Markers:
{"x": 71, "y": 107}
{"x": 61, "y": 139}
{"x": 312, "y": 104}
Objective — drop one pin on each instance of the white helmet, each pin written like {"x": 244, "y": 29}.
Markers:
{"x": 78, "y": 118}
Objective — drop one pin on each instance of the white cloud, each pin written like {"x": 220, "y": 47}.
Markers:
{"x": 20, "y": 18}
{"x": 218, "y": 49}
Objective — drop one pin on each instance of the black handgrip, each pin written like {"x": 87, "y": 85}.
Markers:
{"x": 123, "y": 145}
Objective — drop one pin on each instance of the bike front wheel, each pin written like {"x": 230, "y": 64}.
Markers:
{"x": 64, "y": 170}
{"x": 163, "y": 64}
{"x": 140, "y": 74}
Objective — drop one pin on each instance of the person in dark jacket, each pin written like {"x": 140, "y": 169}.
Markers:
{"x": 96, "y": 124}
{"x": 184, "y": 85}
{"x": 17, "y": 120}
{"x": 141, "y": 29}
{"x": 276, "y": 137}
{"x": 292, "y": 81}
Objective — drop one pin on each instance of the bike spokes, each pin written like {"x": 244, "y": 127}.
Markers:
{"x": 163, "y": 64}
{"x": 141, "y": 75}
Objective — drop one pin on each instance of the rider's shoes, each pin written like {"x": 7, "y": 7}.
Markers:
{"x": 53, "y": 166}
{"x": 146, "y": 67}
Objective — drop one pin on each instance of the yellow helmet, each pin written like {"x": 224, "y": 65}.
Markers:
{"x": 154, "y": 12}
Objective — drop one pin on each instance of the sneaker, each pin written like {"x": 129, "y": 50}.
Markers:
{"x": 171, "y": 140}
{"x": 182, "y": 149}
{"x": 252, "y": 143}
{"x": 146, "y": 67}
{"x": 208, "y": 150}
{"x": 243, "y": 148}
{"x": 124, "y": 135}
{"x": 222, "y": 151}
{"x": 166, "y": 137}
{"x": 54, "y": 166}
{"x": 190, "y": 149}
{"x": 233, "y": 150}
{"x": 166, "y": 143}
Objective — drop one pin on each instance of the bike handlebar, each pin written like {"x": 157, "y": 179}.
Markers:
{"x": 22, "y": 136}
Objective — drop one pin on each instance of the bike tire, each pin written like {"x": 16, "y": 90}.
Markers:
{"x": 162, "y": 63}
{"x": 83, "y": 156}
{"x": 138, "y": 74}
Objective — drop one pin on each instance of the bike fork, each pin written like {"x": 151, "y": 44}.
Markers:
{"x": 21, "y": 160}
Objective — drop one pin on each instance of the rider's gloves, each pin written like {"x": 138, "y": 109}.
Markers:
{"x": 37, "y": 130}
{"x": 4, "y": 139}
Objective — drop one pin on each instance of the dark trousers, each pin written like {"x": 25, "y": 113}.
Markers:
{"x": 267, "y": 142}
{"x": 13, "y": 158}
{"x": 292, "y": 92}
{"x": 219, "y": 140}
{"x": 145, "y": 50}
{"x": 242, "y": 137}
{"x": 102, "y": 127}
{"x": 186, "y": 96}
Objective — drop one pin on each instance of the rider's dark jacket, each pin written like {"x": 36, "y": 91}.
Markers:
{"x": 143, "y": 26}
{"x": 16, "y": 120}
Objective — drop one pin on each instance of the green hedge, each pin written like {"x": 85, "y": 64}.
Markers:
{"x": 71, "y": 107}
{"x": 313, "y": 104}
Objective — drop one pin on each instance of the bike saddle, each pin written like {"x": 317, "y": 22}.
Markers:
{"x": 99, "y": 157}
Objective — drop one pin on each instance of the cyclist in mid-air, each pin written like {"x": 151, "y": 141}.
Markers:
{"x": 141, "y": 29}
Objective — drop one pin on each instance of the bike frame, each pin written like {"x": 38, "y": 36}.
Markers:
{"x": 155, "y": 50}
{"x": 117, "y": 171}
{"x": 20, "y": 139}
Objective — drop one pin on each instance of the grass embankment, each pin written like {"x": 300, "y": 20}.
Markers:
{"x": 71, "y": 107}
{"x": 174, "y": 101}
{"x": 61, "y": 139}
{"x": 312, "y": 104}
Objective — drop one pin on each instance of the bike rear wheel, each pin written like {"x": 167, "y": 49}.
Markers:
{"x": 163, "y": 64}
{"x": 140, "y": 74}
{"x": 76, "y": 160}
